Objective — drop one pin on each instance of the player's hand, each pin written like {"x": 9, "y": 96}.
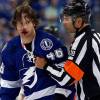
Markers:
{"x": 40, "y": 62}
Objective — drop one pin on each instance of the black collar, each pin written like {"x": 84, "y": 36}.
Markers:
{"x": 85, "y": 29}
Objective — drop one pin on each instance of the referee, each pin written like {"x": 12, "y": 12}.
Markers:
{"x": 83, "y": 64}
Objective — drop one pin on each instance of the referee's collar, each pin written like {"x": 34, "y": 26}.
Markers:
{"x": 85, "y": 29}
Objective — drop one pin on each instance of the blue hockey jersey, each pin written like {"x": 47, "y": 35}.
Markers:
{"x": 18, "y": 68}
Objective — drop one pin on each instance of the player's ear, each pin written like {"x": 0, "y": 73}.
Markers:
{"x": 78, "y": 22}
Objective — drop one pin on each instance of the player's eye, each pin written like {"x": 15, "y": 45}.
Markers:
{"x": 28, "y": 21}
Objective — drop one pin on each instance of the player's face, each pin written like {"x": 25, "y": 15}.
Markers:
{"x": 68, "y": 24}
{"x": 25, "y": 27}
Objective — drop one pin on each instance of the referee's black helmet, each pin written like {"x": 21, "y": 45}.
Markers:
{"x": 77, "y": 8}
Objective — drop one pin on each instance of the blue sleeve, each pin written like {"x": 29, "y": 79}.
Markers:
{"x": 10, "y": 82}
{"x": 51, "y": 48}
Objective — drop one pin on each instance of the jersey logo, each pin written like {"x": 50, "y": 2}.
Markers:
{"x": 72, "y": 52}
{"x": 27, "y": 75}
{"x": 27, "y": 58}
{"x": 46, "y": 44}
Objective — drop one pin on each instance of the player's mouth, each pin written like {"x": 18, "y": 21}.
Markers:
{"x": 24, "y": 32}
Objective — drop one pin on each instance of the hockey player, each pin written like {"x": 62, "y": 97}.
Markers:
{"x": 18, "y": 68}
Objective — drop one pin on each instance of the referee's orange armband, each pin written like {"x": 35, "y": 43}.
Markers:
{"x": 73, "y": 70}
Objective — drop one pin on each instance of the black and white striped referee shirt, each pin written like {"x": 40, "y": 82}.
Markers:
{"x": 82, "y": 66}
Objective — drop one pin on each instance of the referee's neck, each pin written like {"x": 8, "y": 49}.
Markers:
{"x": 83, "y": 27}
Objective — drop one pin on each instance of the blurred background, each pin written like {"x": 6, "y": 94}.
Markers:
{"x": 48, "y": 12}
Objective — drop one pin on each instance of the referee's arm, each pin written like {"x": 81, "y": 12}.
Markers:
{"x": 73, "y": 69}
